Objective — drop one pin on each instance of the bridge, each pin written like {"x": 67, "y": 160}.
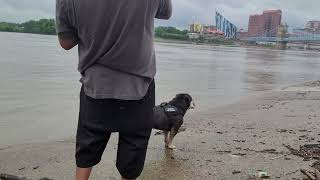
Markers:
{"x": 278, "y": 35}
{"x": 283, "y": 37}
{"x": 304, "y": 38}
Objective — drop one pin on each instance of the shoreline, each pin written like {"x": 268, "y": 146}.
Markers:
{"x": 228, "y": 142}
{"x": 161, "y": 40}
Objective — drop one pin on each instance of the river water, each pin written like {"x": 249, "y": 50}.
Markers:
{"x": 40, "y": 87}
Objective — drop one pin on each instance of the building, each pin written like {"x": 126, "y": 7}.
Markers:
{"x": 313, "y": 27}
{"x": 197, "y": 31}
{"x": 241, "y": 34}
{"x": 208, "y": 29}
{"x": 203, "y": 29}
{"x": 265, "y": 24}
{"x": 195, "y": 28}
{"x": 211, "y": 30}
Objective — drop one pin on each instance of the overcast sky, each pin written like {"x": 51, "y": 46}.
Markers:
{"x": 295, "y": 12}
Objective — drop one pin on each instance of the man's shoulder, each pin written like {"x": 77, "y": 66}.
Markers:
{"x": 64, "y": 2}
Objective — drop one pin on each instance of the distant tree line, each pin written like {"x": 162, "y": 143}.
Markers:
{"x": 47, "y": 26}
{"x": 42, "y": 26}
{"x": 171, "y": 33}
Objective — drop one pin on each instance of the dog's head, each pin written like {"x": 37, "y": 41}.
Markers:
{"x": 186, "y": 100}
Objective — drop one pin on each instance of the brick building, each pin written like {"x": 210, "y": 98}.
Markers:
{"x": 265, "y": 24}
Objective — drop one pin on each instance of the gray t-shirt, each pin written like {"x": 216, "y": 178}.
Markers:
{"x": 116, "y": 51}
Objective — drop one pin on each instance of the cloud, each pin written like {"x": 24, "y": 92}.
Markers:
{"x": 23, "y": 10}
{"x": 295, "y": 12}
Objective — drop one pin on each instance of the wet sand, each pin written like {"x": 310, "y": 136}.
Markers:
{"x": 228, "y": 142}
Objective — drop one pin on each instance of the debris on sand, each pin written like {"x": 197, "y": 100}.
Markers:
{"x": 311, "y": 175}
{"x": 258, "y": 175}
{"x": 265, "y": 106}
{"x": 316, "y": 165}
{"x": 266, "y": 151}
{"x": 304, "y": 130}
{"x": 282, "y": 130}
{"x": 239, "y": 141}
{"x": 278, "y": 157}
{"x": 236, "y": 172}
{"x": 308, "y": 151}
{"x": 12, "y": 177}
{"x": 224, "y": 152}
{"x": 36, "y": 167}
{"x": 270, "y": 151}
{"x": 239, "y": 154}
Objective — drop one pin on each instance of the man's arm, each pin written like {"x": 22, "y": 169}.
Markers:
{"x": 164, "y": 9}
{"x": 68, "y": 40}
{"x": 66, "y": 28}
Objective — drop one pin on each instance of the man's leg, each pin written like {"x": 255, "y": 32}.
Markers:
{"x": 132, "y": 149}
{"x": 83, "y": 173}
{"x": 92, "y": 136}
{"x": 137, "y": 120}
{"x": 90, "y": 146}
{"x": 126, "y": 179}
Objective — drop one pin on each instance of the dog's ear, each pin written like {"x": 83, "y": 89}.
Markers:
{"x": 179, "y": 97}
{"x": 187, "y": 98}
{"x": 184, "y": 97}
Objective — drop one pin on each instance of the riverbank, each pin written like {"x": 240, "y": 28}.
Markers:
{"x": 161, "y": 40}
{"x": 227, "y": 142}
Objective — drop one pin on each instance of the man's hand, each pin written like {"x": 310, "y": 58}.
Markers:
{"x": 68, "y": 40}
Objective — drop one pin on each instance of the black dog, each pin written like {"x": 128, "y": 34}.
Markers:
{"x": 169, "y": 116}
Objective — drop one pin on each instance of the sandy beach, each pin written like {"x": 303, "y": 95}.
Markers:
{"x": 229, "y": 142}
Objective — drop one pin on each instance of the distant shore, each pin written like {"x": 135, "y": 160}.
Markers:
{"x": 162, "y": 40}
{"x": 230, "y": 142}
{"x": 156, "y": 39}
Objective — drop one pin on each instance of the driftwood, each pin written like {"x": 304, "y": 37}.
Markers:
{"x": 309, "y": 151}
{"x": 316, "y": 165}
{"x": 308, "y": 174}
{"x": 12, "y": 177}
{"x": 317, "y": 174}
{"x": 311, "y": 175}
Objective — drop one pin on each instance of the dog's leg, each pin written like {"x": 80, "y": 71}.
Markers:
{"x": 166, "y": 138}
{"x": 174, "y": 131}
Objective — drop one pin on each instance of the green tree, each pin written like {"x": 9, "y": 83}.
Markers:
{"x": 171, "y": 33}
{"x": 42, "y": 26}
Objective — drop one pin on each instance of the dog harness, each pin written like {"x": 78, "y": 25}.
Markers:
{"x": 170, "y": 110}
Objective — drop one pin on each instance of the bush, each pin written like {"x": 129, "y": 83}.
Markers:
{"x": 171, "y": 33}
{"x": 43, "y": 26}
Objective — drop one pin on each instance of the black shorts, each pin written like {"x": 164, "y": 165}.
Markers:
{"x": 98, "y": 118}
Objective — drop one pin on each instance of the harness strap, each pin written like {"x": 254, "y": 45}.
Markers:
{"x": 170, "y": 110}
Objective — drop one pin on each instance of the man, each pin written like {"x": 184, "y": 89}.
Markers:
{"x": 117, "y": 66}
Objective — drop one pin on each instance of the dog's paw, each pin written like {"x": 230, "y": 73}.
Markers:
{"x": 171, "y": 146}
